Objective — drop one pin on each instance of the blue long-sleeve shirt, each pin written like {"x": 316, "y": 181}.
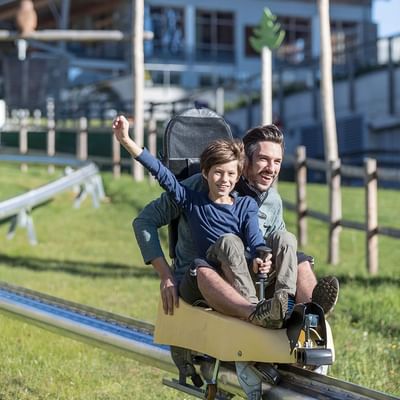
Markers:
{"x": 208, "y": 220}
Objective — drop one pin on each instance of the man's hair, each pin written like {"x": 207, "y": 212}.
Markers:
{"x": 222, "y": 151}
{"x": 265, "y": 133}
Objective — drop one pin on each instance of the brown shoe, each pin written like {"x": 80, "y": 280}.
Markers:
{"x": 270, "y": 313}
{"x": 326, "y": 293}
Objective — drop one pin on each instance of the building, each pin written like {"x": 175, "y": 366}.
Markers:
{"x": 203, "y": 42}
{"x": 197, "y": 43}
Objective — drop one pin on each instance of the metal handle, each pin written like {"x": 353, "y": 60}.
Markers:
{"x": 262, "y": 252}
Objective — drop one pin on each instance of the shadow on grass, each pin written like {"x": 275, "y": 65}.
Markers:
{"x": 370, "y": 281}
{"x": 82, "y": 268}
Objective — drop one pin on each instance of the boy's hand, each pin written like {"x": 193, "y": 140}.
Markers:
{"x": 262, "y": 267}
{"x": 121, "y": 129}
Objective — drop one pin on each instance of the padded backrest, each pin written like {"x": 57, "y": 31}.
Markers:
{"x": 186, "y": 136}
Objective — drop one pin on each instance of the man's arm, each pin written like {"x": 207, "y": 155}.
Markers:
{"x": 271, "y": 214}
{"x": 156, "y": 214}
{"x": 279, "y": 222}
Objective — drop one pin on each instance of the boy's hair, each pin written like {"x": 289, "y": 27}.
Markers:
{"x": 265, "y": 133}
{"x": 222, "y": 151}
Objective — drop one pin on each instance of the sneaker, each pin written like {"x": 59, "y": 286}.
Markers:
{"x": 326, "y": 293}
{"x": 270, "y": 313}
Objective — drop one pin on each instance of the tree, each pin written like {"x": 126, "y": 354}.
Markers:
{"x": 267, "y": 36}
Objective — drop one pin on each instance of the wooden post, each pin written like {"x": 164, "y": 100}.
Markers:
{"x": 116, "y": 158}
{"x": 266, "y": 86}
{"x": 23, "y": 137}
{"x": 51, "y": 133}
{"x": 138, "y": 80}
{"x": 326, "y": 84}
{"x": 82, "y": 139}
{"x": 371, "y": 215}
{"x": 152, "y": 140}
{"x": 220, "y": 100}
{"x": 301, "y": 195}
{"x": 335, "y": 211}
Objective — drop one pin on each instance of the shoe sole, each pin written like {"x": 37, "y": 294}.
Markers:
{"x": 326, "y": 293}
{"x": 274, "y": 314}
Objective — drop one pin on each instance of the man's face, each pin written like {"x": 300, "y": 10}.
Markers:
{"x": 265, "y": 165}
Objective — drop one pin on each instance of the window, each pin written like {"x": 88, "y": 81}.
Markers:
{"x": 344, "y": 37}
{"x": 215, "y": 35}
{"x": 167, "y": 25}
{"x": 249, "y": 51}
{"x": 165, "y": 78}
{"x": 296, "y": 46}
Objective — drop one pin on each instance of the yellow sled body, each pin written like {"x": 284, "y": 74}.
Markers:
{"x": 226, "y": 338}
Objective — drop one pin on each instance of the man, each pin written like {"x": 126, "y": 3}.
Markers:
{"x": 264, "y": 153}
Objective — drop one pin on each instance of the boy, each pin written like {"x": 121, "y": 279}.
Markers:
{"x": 216, "y": 213}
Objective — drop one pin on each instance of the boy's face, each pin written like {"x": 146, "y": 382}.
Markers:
{"x": 265, "y": 165}
{"x": 222, "y": 179}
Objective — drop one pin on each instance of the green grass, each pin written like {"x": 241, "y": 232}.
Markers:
{"x": 90, "y": 256}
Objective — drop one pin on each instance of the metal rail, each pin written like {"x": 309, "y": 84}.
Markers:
{"x": 55, "y": 35}
{"x": 86, "y": 177}
{"x": 134, "y": 339}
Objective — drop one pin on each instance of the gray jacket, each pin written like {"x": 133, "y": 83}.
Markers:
{"x": 163, "y": 210}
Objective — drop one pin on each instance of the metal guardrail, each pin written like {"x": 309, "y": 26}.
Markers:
{"x": 86, "y": 178}
{"x": 134, "y": 339}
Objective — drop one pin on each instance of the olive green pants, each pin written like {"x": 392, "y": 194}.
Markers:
{"x": 227, "y": 257}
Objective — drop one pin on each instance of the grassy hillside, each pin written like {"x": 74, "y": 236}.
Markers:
{"x": 90, "y": 256}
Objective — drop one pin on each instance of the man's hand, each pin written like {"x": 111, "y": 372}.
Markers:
{"x": 169, "y": 295}
{"x": 262, "y": 267}
{"x": 168, "y": 287}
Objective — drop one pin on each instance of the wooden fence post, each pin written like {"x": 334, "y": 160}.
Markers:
{"x": 51, "y": 133}
{"x": 301, "y": 195}
{"x": 335, "y": 211}
{"x": 220, "y": 100}
{"x": 82, "y": 139}
{"x": 116, "y": 157}
{"x": 371, "y": 215}
{"x": 152, "y": 138}
{"x": 23, "y": 137}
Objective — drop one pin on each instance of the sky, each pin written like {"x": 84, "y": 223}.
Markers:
{"x": 387, "y": 14}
